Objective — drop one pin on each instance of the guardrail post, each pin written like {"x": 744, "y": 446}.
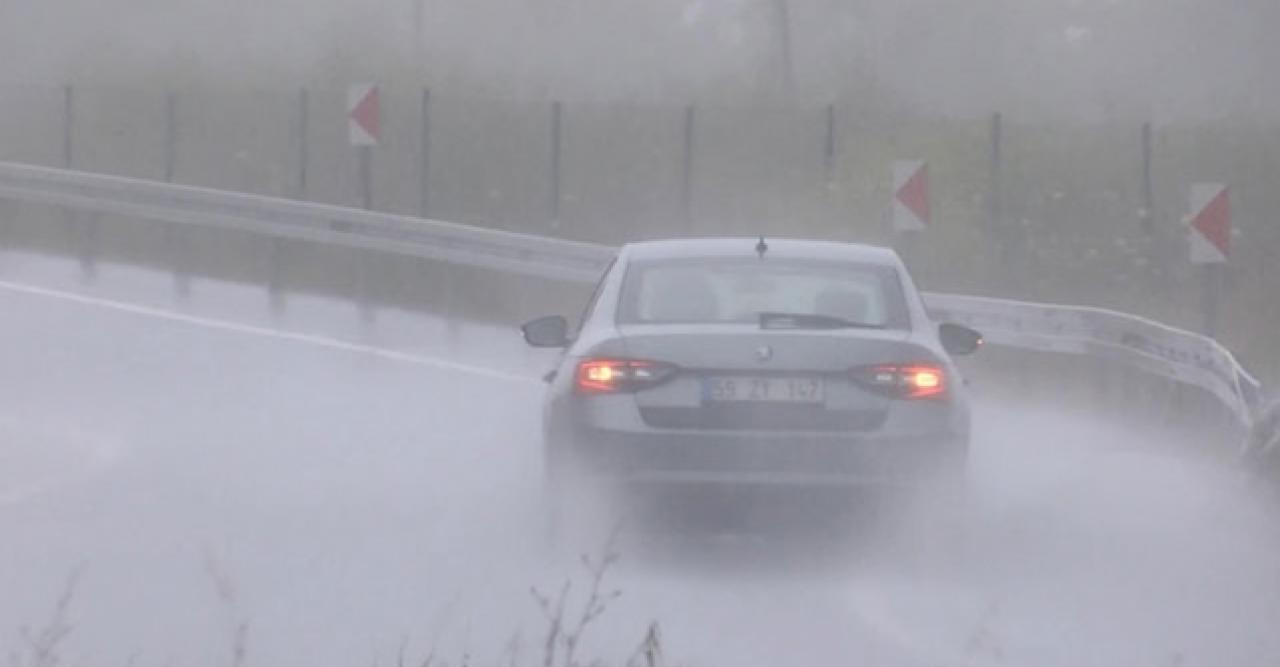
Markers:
{"x": 1139, "y": 391}
{"x": 1177, "y": 404}
{"x": 364, "y": 287}
{"x": 366, "y": 177}
{"x": 275, "y": 278}
{"x": 1157, "y": 405}
{"x": 1212, "y": 279}
{"x": 1024, "y": 382}
{"x": 452, "y": 323}
{"x": 1130, "y": 390}
{"x": 88, "y": 247}
{"x": 1108, "y": 399}
{"x": 907, "y": 244}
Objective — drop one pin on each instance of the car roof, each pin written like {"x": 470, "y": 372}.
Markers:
{"x": 746, "y": 247}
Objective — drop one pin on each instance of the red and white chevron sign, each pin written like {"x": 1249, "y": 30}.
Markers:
{"x": 1210, "y": 229}
{"x": 910, "y": 195}
{"x": 363, "y": 125}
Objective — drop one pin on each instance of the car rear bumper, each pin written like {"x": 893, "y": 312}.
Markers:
{"x": 765, "y": 460}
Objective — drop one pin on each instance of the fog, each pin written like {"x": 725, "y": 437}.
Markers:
{"x": 209, "y": 480}
{"x": 1076, "y": 59}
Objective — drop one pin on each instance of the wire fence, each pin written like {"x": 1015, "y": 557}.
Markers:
{"x": 1089, "y": 214}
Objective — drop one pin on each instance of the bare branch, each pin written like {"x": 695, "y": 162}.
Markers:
{"x": 649, "y": 652}
{"x": 224, "y": 587}
{"x": 597, "y": 602}
{"x": 42, "y": 645}
{"x": 511, "y": 652}
{"x": 554, "y": 614}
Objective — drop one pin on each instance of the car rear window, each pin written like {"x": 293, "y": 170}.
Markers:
{"x": 738, "y": 290}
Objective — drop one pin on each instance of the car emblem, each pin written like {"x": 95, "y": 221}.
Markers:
{"x": 764, "y": 353}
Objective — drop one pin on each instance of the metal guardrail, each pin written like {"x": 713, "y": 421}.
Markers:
{"x": 286, "y": 218}
{"x": 1173, "y": 353}
{"x": 1153, "y": 347}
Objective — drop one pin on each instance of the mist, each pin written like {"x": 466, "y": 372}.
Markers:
{"x": 1068, "y": 59}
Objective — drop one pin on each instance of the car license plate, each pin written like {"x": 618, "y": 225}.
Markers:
{"x": 745, "y": 389}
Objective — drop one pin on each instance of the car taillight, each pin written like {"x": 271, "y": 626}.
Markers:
{"x": 610, "y": 376}
{"x": 909, "y": 381}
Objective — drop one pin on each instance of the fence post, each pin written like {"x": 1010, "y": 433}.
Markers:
{"x": 171, "y": 135}
{"x": 994, "y": 204}
{"x": 1147, "y": 215}
{"x": 276, "y": 259}
{"x": 829, "y": 148}
{"x": 686, "y": 172}
{"x": 996, "y": 231}
{"x": 424, "y": 166}
{"x": 357, "y": 98}
{"x": 83, "y": 226}
{"x": 557, "y": 112}
{"x": 68, "y": 125}
{"x": 304, "y": 121}
{"x": 177, "y": 241}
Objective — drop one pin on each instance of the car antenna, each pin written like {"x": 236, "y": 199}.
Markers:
{"x": 762, "y": 248}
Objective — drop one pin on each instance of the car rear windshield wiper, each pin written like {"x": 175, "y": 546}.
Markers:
{"x": 811, "y": 321}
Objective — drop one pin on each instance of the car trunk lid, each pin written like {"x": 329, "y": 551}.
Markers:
{"x": 742, "y": 377}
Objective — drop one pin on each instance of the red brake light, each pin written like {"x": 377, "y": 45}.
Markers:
{"x": 607, "y": 376}
{"x": 908, "y": 381}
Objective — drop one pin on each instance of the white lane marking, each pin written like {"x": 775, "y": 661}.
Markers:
{"x": 251, "y": 330}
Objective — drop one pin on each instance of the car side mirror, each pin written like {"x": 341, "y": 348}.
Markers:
{"x": 959, "y": 340}
{"x": 549, "y": 331}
